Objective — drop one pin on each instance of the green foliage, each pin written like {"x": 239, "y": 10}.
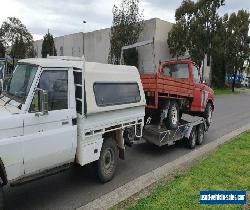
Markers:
{"x": 18, "y": 49}
{"x": 226, "y": 169}
{"x": 126, "y": 28}
{"x": 48, "y": 46}
{"x": 200, "y": 31}
{"x": 226, "y": 91}
{"x": 14, "y": 35}
{"x": 196, "y": 26}
{"x": 237, "y": 43}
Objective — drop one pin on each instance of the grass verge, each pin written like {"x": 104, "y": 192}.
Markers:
{"x": 225, "y": 91}
{"x": 228, "y": 168}
{"x": 228, "y": 91}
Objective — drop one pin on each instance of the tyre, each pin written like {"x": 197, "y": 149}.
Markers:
{"x": 208, "y": 114}
{"x": 192, "y": 139}
{"x": 200, "y": 134}
{"x": 172, "y": 120}
{"x": 1, "y": 198}
{"x": 107, "y": 163}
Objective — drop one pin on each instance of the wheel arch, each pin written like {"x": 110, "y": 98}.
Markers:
{"x": 117, "y": 136}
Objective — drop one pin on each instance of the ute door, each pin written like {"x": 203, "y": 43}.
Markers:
{"x": 50, "y": 138}
{"x": 200, "y": 95}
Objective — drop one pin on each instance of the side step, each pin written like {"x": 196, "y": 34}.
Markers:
{"x": 41, "y": 175}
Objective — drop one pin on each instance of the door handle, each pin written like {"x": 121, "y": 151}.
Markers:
{"x": 65, "y": 123}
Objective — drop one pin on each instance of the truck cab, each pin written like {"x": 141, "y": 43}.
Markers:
{"x": 63, "y": 110}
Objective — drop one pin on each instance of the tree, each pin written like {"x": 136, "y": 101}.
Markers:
{"x": 15, "y": 35}
{"x": 196, "y": 23}
{"x": 18, "y": 49}
{"x": 48, "y": 46}
{"x": 218, "y": 54}
{"x": 126, "y": 28}
{"x": 237, "y": 42}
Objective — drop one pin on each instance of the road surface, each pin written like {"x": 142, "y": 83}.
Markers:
{"x": 78, "y": 186}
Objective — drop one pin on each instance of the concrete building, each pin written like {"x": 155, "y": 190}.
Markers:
{"x": 95, "y": 45}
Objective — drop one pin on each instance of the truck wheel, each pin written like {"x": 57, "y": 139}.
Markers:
{"x": 200, "y": 134}
{"x": 107, "y": 163}
{"x": 208, "y": 114}
{"x": 192, "y": 139}
{"x": 1, "y": 198}
{"x": 172, "y": 120}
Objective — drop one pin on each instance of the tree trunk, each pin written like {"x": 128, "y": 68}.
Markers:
{"x": 234, "y": 79}
{"x": 211, "y": 71}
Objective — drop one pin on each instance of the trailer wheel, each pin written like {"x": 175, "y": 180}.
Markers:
{"x": 192, "y": 139}
{"x": 172, "y": 120}
{"x": 208, "y": 114}
{"x": 107, "y": 163}
{"x": 200, "y": 134}
{"x": 1, "y": 198}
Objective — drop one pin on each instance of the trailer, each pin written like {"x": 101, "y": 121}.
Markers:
{"x": 190, "y": 129}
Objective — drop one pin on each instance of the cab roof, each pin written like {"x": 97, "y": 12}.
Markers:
{"x": 78, "y": 63}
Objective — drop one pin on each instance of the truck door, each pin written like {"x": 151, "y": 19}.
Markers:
{"x": 50, "y": 139}
{"x": 200, "y": 95}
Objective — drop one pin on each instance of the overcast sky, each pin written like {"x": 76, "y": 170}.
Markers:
{"x": 66, "y": 16}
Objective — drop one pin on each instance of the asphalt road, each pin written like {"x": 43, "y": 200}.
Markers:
{"x": 78, "y": 186}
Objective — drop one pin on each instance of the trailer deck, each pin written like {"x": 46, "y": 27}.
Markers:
{"x": 190, "y": 128}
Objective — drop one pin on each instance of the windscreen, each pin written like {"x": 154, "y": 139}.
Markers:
{"x": 19, "y": 85}
{"x": 177, "y": 71}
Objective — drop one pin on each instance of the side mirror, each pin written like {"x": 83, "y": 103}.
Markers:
{"x": 43, "y": 101}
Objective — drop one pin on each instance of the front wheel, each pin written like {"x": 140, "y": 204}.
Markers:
{"x": 1, "y": 198}
{"x": 107, "y": 163}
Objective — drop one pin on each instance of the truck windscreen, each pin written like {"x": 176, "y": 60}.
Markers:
{"x": 19, "y": 85}
{"x": 177, "y": 71}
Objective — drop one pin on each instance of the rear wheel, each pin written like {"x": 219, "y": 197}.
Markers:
{"x": 1, "y": 198}
{"x": 107, "y": 163}
{"x": 172, "y": 120}
{"x": 208, "y": 114}
{"x": 192, "y": 139}
{"x": 200, "y": 134}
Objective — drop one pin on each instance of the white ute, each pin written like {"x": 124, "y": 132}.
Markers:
{"x": 62, "y": 110}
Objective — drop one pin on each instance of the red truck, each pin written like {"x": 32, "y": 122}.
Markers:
{"x": 175, "y": 89}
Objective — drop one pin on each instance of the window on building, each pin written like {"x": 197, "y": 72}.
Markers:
{"x": 108, "y": 94}
{"x": 177, "y": 71}
{"x": 56, "y": 83}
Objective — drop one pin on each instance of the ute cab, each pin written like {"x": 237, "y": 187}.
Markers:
{"x": 62, "y": 110}
{"x": 175, "y": 89}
